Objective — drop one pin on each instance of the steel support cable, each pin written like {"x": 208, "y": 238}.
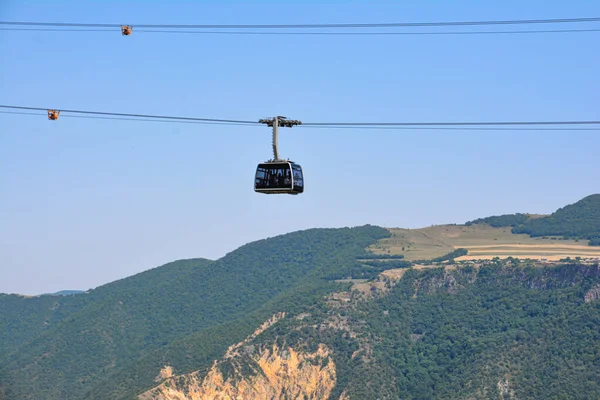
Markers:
{"x": 447, "y": 128}
{"x": 339, "y": 25}
{"x": 313, "y": 33}
{"x": 132, "y": 119}
{"x": 407, "y": 124}
{"x": 313, "y": 127}
{"x": 337, "y": 125}
{"x": 135, "y": 115}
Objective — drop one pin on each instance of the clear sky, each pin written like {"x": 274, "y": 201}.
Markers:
{"x": 84, "y": 202}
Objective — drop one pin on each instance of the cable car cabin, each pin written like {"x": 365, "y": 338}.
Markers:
{"x": 279, "y": 177}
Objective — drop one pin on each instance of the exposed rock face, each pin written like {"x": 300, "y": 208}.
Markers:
{"x": 278, "y": 373}
{"x": 505, "y": 389}
{"x": 593, "y": 294}
{"x": 380, "y": 285}
{"x": 165, "y": 373}
{"x": 257, "y": 373}
{"x": 232, "y": 351}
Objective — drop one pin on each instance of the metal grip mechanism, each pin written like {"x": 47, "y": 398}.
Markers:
{"x": 276, "y": 122}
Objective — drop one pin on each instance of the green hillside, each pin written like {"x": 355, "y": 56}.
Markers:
{"x": 500, "y": 221}
{"x": 23, "y": 318}
{"x": 186, "y": 312}
{"x": 456, "y": 333}
{"x": 496, "y": 329}
{"x": 579, "y": 220}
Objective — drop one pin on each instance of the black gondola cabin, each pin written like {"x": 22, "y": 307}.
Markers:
{"x": 279, "y": 177}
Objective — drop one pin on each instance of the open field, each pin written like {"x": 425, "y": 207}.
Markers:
{"x": 482, "y": 242}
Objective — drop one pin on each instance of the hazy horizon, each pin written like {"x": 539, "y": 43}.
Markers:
{"x": 84, "y": 202}
{"x": 216, "y": 258}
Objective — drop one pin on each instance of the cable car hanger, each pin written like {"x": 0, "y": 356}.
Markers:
{"x": 276, "y": 123}
{"x": 279, "y": 176}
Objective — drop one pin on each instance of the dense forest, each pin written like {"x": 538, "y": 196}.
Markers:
{"x": 22, "y": 319}
{"x": 464, "y": 334}
{"x": 580, "y": 220}
{"x": 452, "y": 255}
{"x": 504, "y": 329}
{"x": 500, "y": 221}
{"x": 367, "y": 255}
{"x": 112, "y": 341}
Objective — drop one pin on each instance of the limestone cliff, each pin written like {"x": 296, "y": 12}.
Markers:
{"x": 266, "y": 372}
{"x": 593, "y": 294}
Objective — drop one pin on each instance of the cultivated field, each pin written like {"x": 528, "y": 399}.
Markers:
{"x": 482, "y": 242}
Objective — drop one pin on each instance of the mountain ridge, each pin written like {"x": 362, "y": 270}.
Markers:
{"x": 365, "y": 357}
{"x": 64, "y": 293}
{"x": 579, "y": 220}
{"x": 113, "y": 326}
{"x": 366, "y": 293}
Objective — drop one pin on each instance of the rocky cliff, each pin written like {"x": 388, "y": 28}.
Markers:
{"x": 498, "y": 330}
{"x": 254, "y": 372}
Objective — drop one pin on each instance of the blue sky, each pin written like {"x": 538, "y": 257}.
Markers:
{"x": 84, "y": 202}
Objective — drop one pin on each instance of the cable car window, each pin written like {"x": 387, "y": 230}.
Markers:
{"x": 261, "y": 178}
{"x": 298, "y": 178}
{"x": 275, "y": 176}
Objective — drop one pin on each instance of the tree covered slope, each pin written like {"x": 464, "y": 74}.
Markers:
{"x": 580, "y": 220}
{"x": 23, "y": 318}
{"x": 185, "y": 311}
{"x": 499, "y": 221}
{"x": 497, "y": 331}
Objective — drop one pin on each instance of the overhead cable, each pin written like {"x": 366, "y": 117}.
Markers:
{"x": 130, "y": 116}
{"x": 286, "y": 26}
{"x": 132, "y": 119}
{"x": 396, "y": 128}
{"x": 343, "y": 124}
{"x": 312, "y": 33}
{"x": 135, "y": 115}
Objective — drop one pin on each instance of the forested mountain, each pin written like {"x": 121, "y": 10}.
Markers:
{"x": 580, "y": 220}
{"x": 492, "y": 332}
{"x": 23, "y": 318}
{"x": 498, "y": 221}
{"x": 110, "y": 342}
{"x": 343, "y": 323}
